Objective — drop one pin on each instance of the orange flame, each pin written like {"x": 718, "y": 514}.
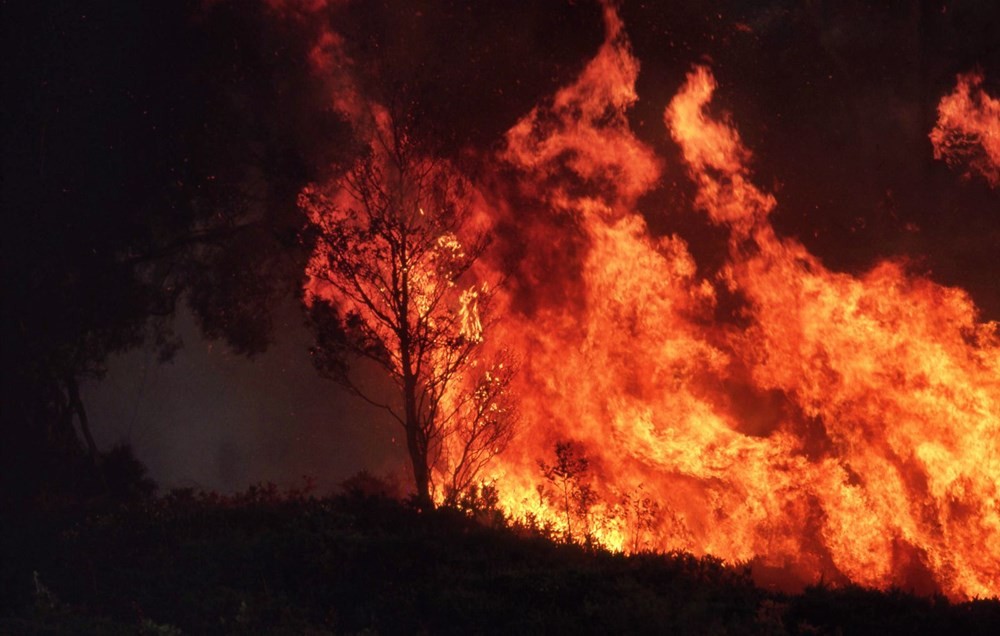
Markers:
{"x": 968, "y": 129}
{"x": 878, "y": 456}
{"x": 846, "y": 426}
{"x": 712, "y": 148}
{"x": 904, "y": 381}
{"x": 585, "y": 130}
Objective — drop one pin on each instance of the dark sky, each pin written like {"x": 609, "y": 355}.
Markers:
{"x": 835, "y": 99}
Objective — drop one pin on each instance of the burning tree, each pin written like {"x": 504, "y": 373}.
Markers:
{"x": 391, "y": 281}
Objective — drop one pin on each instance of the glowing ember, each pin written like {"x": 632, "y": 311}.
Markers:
{"x": 845, "y": 427}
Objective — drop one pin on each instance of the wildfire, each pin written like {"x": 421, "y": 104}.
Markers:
{"x": 880, "y": 460}
{"x": 848, "y": 426}
{"x": 968, "y": 129}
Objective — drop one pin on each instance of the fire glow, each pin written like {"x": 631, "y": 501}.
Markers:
{"x": 878, "y": 457}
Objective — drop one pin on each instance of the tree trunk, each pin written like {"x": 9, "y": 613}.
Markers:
{"x": 76, "y": 406}
{"x": 569, "y": 523}
{"x": 415, "y": 444}
{"x": 421, "y": 473}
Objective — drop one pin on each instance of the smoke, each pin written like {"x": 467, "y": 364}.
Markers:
{"x": 211, "y": 420}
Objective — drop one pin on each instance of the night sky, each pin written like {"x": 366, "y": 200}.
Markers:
{"x": 135, "y": 109}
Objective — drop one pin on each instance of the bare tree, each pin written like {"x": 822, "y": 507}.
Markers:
{"x": 570, "y": 476}
{"x": 391, "y": 281}
{"x": 480, "y": 424}
{"x": 641, "y": 513}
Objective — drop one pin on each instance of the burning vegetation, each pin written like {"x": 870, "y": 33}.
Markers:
{"x": 820, "y": 424}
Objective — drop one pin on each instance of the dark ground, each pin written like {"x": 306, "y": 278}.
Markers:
{"x": 271, "y": 562}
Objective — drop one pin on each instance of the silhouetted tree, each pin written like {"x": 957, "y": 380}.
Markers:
{"x": 640, "y": 513}
{"x": 569, "y": 475}
{"x": 391, "y": 282}
{"x": 143, "y": 167}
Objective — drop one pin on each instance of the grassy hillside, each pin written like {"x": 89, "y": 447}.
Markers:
{"x": 269, "y": 562}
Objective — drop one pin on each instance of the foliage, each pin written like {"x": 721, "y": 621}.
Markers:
{"x": 144, "y": 168}
{"x": 363, "y": 485}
